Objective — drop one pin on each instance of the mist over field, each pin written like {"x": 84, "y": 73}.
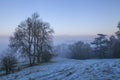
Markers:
{"x": 57, "y": 40}
{"x": 71, "y": 39}
{"x": 4, "y": 41}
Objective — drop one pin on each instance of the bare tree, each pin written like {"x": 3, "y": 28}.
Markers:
{"x": 32, "y": 38}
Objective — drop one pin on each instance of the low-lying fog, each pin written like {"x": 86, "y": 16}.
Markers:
{"x": 4, "y": 40}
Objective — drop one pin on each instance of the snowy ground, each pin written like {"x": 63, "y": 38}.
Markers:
{"x": 69, "y": 69}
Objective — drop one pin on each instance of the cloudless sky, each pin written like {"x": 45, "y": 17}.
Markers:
{"x": 66, "y": 17}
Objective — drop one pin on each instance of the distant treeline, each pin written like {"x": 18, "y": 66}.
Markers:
{"x": 102, "y": 47}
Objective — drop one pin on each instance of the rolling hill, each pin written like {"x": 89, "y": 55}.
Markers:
{"x": 70, "y": 69}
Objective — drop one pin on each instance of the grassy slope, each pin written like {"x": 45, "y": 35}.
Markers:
{"x": 69, "y": 69}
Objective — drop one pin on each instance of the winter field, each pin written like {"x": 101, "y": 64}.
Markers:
{"x": 69, "y": 69}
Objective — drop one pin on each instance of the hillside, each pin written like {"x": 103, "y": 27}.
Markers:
{"x": 69, "y": 69}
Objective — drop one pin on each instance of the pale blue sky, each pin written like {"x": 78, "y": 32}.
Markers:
{"x": 67, "y": 17}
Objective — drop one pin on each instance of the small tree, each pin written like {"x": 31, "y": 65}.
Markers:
{"x": 100, "y": 45}
{"x": 116, "y": 43}
{"x": 8, "y": 62}
{"x": 118, "y": 32}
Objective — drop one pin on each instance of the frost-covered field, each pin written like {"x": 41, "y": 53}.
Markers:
{"x": 69, "y": 69}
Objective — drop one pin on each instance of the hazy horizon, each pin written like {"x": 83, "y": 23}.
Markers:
{"x": 57, "y": 40}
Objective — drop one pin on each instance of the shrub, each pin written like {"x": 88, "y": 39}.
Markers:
{"x": 46, "y": 57}
{"x": 80, "y": 50}
{"x": 8, "y": 62}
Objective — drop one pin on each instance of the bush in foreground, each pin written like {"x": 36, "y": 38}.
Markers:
{"x": 8, "y": 62}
